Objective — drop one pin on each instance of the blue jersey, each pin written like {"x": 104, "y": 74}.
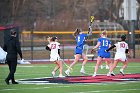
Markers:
{"x": 104, "y": 45}
{"x": 80, "y": 41}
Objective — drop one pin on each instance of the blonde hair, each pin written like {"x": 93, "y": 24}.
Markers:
{"x": 104, "y": 33}
{"x": 77, "y": 31}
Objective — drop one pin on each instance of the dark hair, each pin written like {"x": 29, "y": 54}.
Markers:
{"x": 123, "y": 37}
{"x": 12, "y": 32}
{"x": 77, "y": 31}
{"x": 54, "y": 38}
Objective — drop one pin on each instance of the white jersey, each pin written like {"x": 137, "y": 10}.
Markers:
{"x": 54, "y": 46}
{"x": 120, "y": 51}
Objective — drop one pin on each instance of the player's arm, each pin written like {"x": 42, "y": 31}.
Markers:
{"x": 49, "y": 39}
{"x": 5, "y": 48}
{"x": 95, "y": 47}
{"x": 59, "y": 51}
{"x": 127, "y": 51}
{"x": 90, "y": 31}
{"x": 19, "y": 49}
{"x": 110, "y": 48}
{"x": 47, "y": 48}
{"x": 98, "y": 44}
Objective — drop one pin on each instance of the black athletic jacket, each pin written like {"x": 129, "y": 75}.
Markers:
{"x": 12, "y": 47}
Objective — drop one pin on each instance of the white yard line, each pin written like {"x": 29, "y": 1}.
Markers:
{"x": 120, "y": 90}
{"x": 38, "y": 88}
{"x": 117, "y": 66}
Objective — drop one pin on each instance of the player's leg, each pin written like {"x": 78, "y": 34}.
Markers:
{"x": 108, "y": 63}
{"x": 55, "y": 69}
{"x": 108, "y": 60}
{"x": 101, "y": 66}
{"x": 112, "y": 68}
{"x": 125, "y": 64}
{"x": 59, "y": 63}
{"x": 85, "y": 59}
{"x": 99, "y": 60}
{"x": 77, "y": 57}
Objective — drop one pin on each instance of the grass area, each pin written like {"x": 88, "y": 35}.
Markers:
{"x": 44, "y": 70}
{"x": 67, "y": 54}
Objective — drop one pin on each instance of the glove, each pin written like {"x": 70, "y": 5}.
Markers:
{"x": 89, "y": 27}
{"x": 92, "y": 50}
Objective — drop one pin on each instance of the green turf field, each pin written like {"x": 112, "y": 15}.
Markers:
{"x": 44, "y": 70}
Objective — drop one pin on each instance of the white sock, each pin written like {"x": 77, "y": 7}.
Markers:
{"x": 121, "y": 70}
{"x": 53, "y": 72}
{"x": 82, "y": 67}
{"x": 60, "y": 75}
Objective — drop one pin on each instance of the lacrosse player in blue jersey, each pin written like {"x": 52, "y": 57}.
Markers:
{"x": 102, "y": 45}
{"x": 80, "y": 41}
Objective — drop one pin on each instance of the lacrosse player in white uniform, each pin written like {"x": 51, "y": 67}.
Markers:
{"x": 121, "y": 50}
{"x": 53, "y": 46}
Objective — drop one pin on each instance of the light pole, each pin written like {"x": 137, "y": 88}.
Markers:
{"x": 130, "y": 15}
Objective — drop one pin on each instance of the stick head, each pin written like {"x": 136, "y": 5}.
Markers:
{"x": 91, "y": 19}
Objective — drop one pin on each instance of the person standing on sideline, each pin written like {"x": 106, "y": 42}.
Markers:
{"x": 102, "y": 44}
{"x": 121, "y": 50}
{"x": 80, "y": 41}
{"x": 54, "y": 47}
{"x": 12, "y": 47}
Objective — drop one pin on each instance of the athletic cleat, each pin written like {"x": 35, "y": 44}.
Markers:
{"x": 112, "y": 74}
{"x": 122, "y": 73}
{"x": 53, "y": 74}
{"x": 61, "y": 76}
{"x": 67, "y": 72}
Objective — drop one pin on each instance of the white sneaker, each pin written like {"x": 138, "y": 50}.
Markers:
{"x": 94, "y": 75}
{"x": 122, "y": 72}
{"x": 53, "y": 74}
{"x": 60, "y": 75}
{"x": 112, "y": 74}
{"x": 108, "y": 74}
{"x": 82, "y": 71}
{"x": 67, "y": 72}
